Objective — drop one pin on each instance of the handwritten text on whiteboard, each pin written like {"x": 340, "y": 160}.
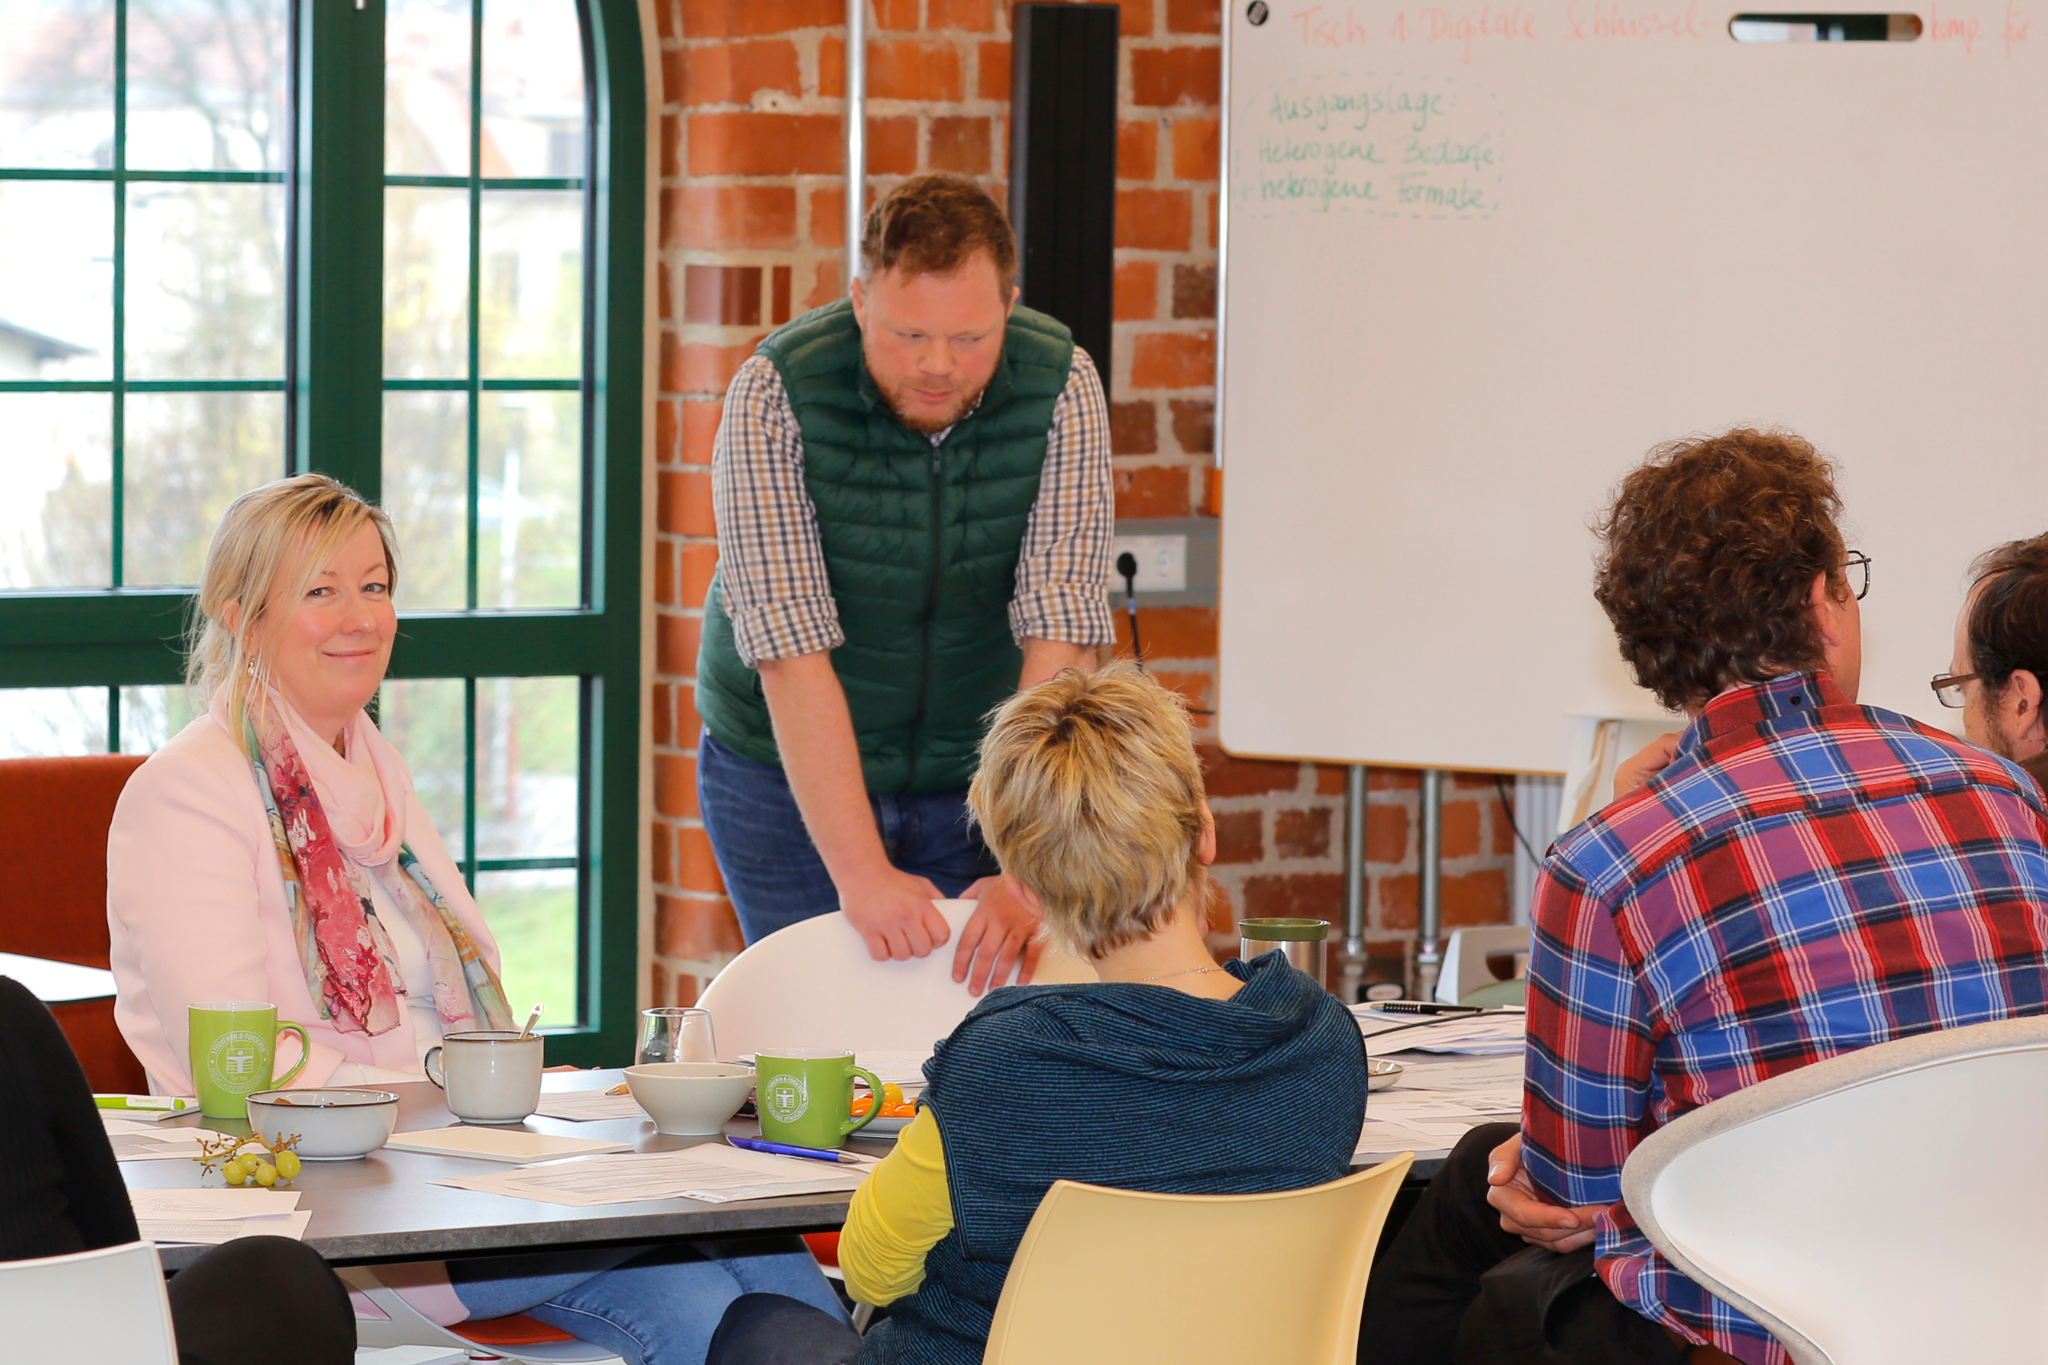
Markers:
{"x": 1393, "y": 145}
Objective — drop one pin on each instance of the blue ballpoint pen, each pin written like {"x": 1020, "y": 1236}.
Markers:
{"x": 784, "y": 1149}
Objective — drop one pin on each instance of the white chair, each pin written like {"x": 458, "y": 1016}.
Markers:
{"x": 1882, "y": 1207}
{"x": 814, "y": 985}
{"x": 105, "y": 1307}
{"x": 1464, "y": 968}
{"x": 403, "y": 1325}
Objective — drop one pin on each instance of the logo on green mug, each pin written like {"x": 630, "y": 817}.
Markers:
{"x": 232, "y": 1060}
{"x": 787, "y": 1097}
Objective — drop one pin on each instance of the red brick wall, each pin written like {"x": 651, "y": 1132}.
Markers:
{"x": 752, "y": 200}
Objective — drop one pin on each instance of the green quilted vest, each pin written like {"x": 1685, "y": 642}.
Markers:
{"x": 921, "y": 543}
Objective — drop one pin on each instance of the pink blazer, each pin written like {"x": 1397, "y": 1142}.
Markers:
{"x": 196, "y": 905}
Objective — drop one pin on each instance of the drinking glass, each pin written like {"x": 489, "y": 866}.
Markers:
{"x": 676, "y": 1035}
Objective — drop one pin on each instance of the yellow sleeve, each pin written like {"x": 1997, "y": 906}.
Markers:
{"x": 897, "y": 1215}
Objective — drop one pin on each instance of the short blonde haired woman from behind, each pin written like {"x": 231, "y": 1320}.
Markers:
{"x": 1090, "y": 795}
{"x": 274, "y": 850}
{"x": 1171, "y": 1073}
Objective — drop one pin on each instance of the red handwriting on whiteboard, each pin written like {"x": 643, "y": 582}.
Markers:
{"x": 1614, "y": 19}
{"x": 1319, "y": 29}
{"x": 1437, "y": 25}
{"x": 2016, "y": 26}
{"x": 1940, "y": 30}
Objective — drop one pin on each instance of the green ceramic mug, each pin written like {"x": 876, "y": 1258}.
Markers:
{"x": 233, "y": 1050}
{"x": 806, "y": 1098}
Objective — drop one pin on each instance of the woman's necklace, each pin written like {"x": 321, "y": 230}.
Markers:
{"x": 1186, "y": 971}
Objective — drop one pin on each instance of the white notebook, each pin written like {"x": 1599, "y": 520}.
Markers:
{"x": 516, "y": 1145}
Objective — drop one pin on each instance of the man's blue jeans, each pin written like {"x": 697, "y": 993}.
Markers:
{"x": 772, "y": 870}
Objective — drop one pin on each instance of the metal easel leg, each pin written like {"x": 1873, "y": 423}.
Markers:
{"x": 1351, "y": 977}
{"x": 1429, "y": 947}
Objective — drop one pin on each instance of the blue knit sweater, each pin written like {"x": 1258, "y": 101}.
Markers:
{"x": 1132, "y": 1086}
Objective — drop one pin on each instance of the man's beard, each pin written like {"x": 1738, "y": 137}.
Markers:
{"x": 930, "y": 426}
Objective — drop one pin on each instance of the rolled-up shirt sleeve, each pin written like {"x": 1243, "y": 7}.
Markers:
{"x": 1063, "y": 569}
{"x": 771, "y": 564}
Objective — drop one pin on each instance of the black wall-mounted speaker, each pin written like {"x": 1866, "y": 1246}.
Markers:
{"x": 1063, "y": 164}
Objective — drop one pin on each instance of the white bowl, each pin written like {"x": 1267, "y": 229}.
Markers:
{"x": 690, "y": 1099}
{"x": 333, "y": 1125}
{"x": 1382, "y": 1073}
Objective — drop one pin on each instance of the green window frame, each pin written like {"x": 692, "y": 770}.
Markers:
{"x": 334, "y": 386}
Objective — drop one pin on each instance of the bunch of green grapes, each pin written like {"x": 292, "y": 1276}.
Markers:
{"x": 251, "y": 1169}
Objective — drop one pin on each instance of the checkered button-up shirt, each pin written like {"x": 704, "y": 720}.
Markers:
{"x": 771, "y": 566}
{"x": 1808, "y": 877}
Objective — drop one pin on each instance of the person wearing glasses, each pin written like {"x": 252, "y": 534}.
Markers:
{"x": 1803, "y": 877}
{"x": 2001, "y": 654}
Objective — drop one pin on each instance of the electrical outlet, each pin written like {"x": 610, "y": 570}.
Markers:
{"x": 1162, "y": 562}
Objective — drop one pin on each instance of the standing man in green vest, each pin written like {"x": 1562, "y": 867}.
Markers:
{"x": 914, "y": 510}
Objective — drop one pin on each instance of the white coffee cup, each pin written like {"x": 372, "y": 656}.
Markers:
{"x": 491, "y": 1076}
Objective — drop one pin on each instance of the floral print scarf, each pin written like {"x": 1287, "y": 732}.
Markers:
{"x": 343, "y": 949}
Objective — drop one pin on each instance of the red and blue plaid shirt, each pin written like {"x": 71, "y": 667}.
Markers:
{"x": 1806, "y": 878}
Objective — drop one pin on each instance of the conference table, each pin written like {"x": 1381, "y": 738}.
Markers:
{"x": 386, "y": 1206}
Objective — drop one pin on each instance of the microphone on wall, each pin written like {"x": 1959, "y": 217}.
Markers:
{"x": 1127, "y": 567}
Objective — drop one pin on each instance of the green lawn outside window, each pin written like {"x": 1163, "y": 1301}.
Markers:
{"x": 243, "y": 238}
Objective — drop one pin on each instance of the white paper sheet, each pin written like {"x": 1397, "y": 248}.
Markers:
{"x": 1439, "y": 1100}
{"x": 214, "y": 1202}
{"x": 586, "y": 1106}
{"x": 714, "y": 1173}
{"x": 214, "y": 1231}
{"x": 1483, "y": 1035}
{"x": 159, "y": 1144}
{"x": 145, "y": 1117}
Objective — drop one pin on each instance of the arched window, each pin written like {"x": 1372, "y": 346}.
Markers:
{"x": 210, "y": 278}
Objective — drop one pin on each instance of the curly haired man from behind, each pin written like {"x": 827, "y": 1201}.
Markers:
{"x": 1804, "y": 877}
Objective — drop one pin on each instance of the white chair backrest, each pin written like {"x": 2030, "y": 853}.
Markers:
{"x": 1883, "y": 1207}
{"x": 1464, "y": 970}
{"x": 105, "y": 1307}
{"x": 813, "y": 985}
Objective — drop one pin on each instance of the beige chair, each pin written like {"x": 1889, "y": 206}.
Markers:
{"x": 1112, "y": 1277}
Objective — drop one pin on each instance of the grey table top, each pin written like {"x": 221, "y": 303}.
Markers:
{"x": 386, "y": 1207}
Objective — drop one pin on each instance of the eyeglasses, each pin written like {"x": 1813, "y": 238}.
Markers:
{"x": 1948, "y": 687}
{"x": 1859, "y": 563}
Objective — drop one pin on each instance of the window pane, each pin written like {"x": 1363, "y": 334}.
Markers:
{"x": 56, "y": 491}
{"x": 205, "y": 280}
{"x": 530, "y": 500}
{"x": 533, "y": 89}
{"x": 57, "y": 84}
{"x": 426, "y": 87}
{"x": 533, "y": 917}
{"x": 52, "y": 722}
{"x": 422, "y": 717}
{"x": 532, "y": 276}
{"x": 188, "y": 456}
{"x": 207, "y": 85}
{"x": 426, "y": 283}
{"x": 426, "y": 490}
{"x": 56, "y": 319}
{"x": 528, "y": 733}
{"x": 151, "y": 715}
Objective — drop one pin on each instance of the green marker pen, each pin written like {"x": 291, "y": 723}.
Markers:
{"x": 144, "y": 1102}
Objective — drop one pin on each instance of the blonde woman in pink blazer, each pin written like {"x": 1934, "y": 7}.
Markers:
{"x": 274, "y": 850}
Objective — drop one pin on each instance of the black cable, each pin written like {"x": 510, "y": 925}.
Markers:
{"x": 1127, "y": 565}
{"x": 1500, "y": 789}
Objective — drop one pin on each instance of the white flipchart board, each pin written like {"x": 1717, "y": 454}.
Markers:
{"x": 1479, "y": 259}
